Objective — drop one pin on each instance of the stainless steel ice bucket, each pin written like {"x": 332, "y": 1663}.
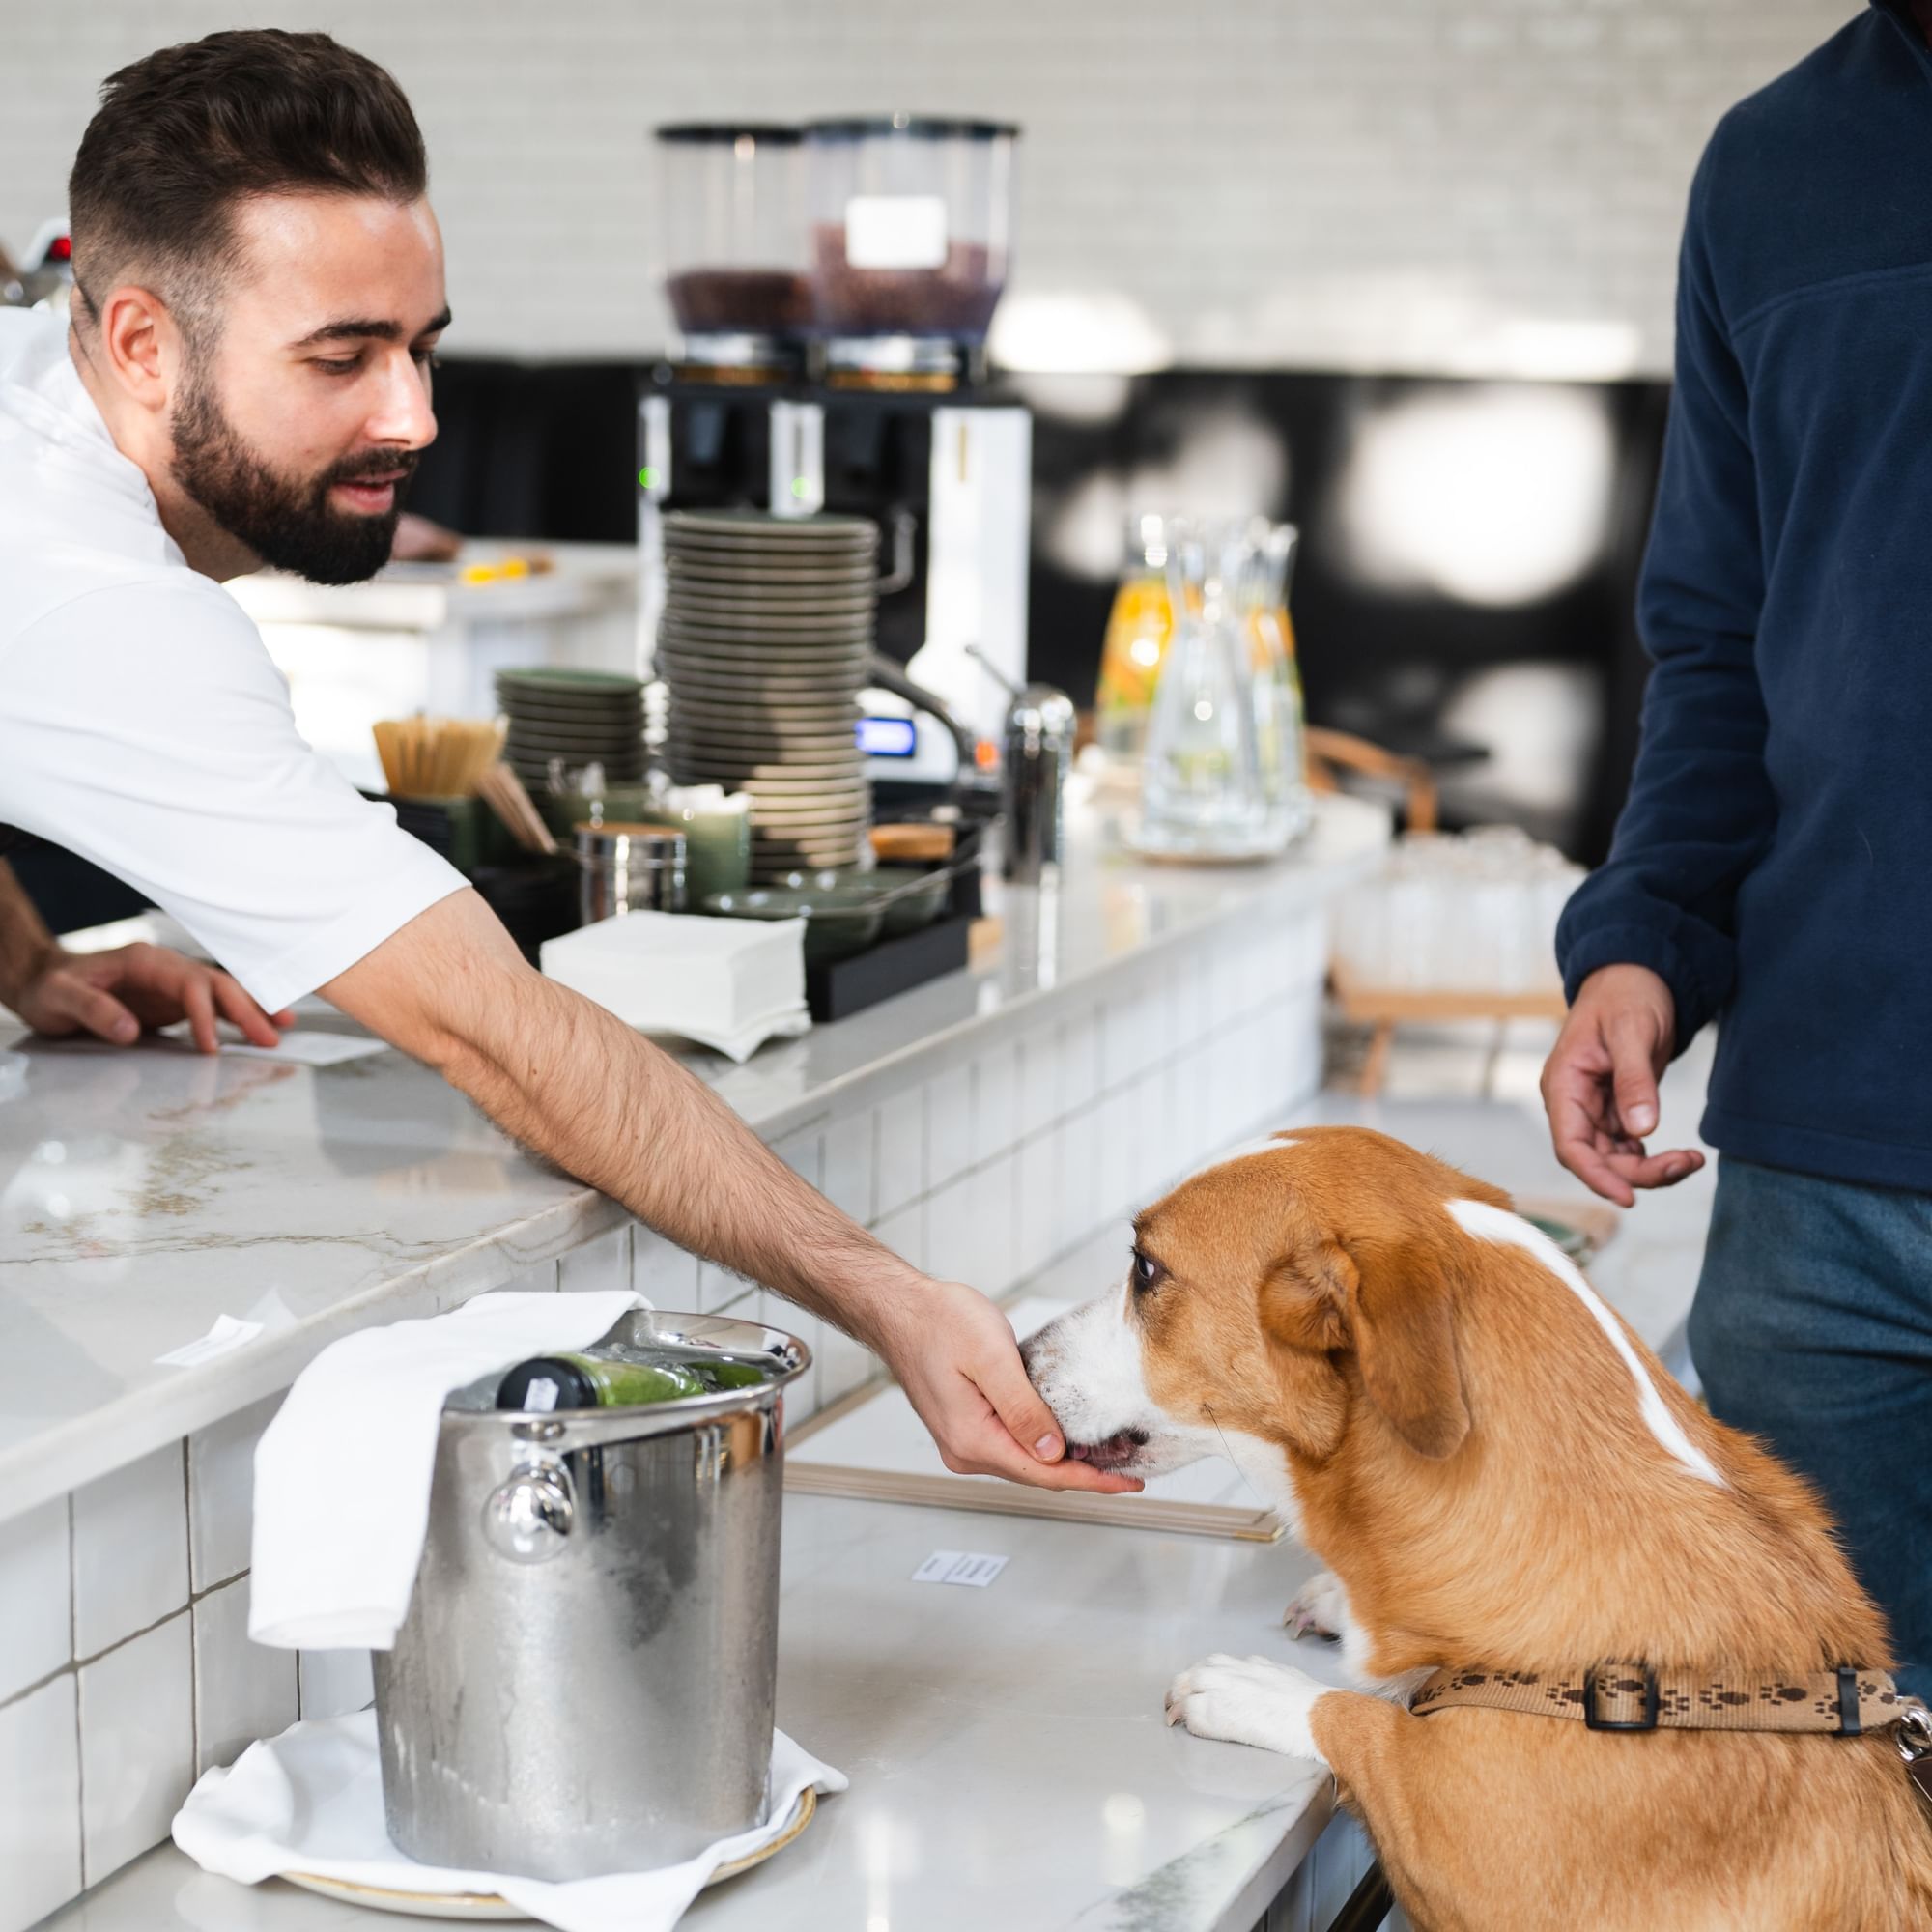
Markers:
{"x": 585, "y": 1680}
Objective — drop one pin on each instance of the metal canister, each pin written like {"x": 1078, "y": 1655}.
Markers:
{"x": 629, "y": 868}
{"x": 1037, "y": 761}
{"x": 585, "y": 1679}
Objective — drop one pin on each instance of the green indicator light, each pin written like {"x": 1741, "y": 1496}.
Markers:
{"x": 798, "y": 486}
{"x": 647, "y": 478}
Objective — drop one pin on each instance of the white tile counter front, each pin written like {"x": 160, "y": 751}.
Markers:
{"x": 1130, "y": 1023}
{"x": 1008, "y": 1757}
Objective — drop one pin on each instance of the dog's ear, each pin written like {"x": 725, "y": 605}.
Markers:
{"x": 1402, "y": 1322}
{"x": 1306, "y": 1294}
{"x": 1391, "y": 1305}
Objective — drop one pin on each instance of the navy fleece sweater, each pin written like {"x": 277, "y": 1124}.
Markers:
{"x": 1774, "y": 863}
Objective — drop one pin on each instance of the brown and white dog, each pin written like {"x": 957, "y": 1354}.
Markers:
{"x": 1500, "y": 1475}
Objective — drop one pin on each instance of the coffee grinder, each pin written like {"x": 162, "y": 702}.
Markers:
{"x": 833, "y": 286}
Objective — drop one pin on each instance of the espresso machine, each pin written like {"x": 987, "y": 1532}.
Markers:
{"x": 832, "y": 287}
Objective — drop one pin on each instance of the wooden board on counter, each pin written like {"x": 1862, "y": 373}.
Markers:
{"x": 873, "y": 1447}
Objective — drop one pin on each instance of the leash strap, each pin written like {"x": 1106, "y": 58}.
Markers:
{"x": 1622, "y": 1696}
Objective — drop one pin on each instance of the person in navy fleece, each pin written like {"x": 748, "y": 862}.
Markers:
{"x": 1770, "y": 868}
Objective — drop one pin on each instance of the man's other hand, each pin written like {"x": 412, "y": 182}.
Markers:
{"x": 115, "y": 994}
{"x": 1599, "y": 1085}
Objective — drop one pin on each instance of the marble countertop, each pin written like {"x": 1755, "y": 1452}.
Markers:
{"x": 146, "y": 1192}
{"x": 1008, "y": 1758}
{"x": 583, "y": 578}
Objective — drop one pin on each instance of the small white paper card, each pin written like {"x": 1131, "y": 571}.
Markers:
{"x": 298, "y": 1047}
{"x": 312, "y": 1049}
{"x": 896, "y": 231}
{"x": 227, "y": 1333}
{"x": 959, "y": 1566}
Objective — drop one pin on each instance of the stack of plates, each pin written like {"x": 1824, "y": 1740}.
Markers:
{"x": 582, "y": 717}
{"x": 763, "y": 648}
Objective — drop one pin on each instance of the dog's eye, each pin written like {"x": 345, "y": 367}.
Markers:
{"x": 1147, "y": 1270}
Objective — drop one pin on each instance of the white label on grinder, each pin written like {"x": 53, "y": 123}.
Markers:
{"x": 959, "y": 1566}
{"x": 896, "y": 231}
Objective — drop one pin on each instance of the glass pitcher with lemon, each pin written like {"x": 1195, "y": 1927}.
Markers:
{"x": 1139, "y": 629}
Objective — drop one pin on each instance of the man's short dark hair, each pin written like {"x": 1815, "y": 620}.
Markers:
{"x": 184, "y": 134}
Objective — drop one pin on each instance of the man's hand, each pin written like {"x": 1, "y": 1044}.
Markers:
{"x": 955, "y": 1355}
{"x": 115, "y": 994}
{"x": 1600, "y": 1084}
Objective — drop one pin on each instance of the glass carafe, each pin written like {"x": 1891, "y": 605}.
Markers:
{"x": 1202, "y": 794}
{"x": 1138, "y": 629}
{"x": 1263, "y": 600}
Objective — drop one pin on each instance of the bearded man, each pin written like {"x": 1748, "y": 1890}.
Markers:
{"x": 244, "y": 379}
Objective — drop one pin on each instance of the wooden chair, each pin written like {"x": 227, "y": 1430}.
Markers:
{"x": 1383, "y": 1009}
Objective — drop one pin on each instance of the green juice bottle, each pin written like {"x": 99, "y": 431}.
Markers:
{"x": 548, "y": 1382}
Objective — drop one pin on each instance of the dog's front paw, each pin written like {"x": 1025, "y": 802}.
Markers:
{"x": 1248, "y": 1701}
{"x": 1321, "y": 1608}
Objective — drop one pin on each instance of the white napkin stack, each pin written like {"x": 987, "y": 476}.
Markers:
{"x": 343, "y": 1473}
{"x": 728, "y": 983}
{"x": 311, "y": 1802}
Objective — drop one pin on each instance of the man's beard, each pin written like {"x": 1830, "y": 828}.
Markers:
{"x": 289, "y": 524}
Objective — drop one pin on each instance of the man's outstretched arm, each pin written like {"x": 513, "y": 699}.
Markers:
{"x": 571, "y": 1081}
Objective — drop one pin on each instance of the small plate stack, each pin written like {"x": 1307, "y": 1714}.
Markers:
{"x": 763, "y": 648}
{"x": 582, "y": 717}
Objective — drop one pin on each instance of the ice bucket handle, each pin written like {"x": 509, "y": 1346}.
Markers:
{"x": 527, "y": 1517}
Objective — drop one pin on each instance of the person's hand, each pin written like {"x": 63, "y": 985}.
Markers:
{"x": 957, "y": 1359}
{"x": 1599, "y": 1085}
{"x": 115, "y": 994}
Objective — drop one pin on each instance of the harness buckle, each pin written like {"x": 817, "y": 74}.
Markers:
{"x": 1646, "y": 1723}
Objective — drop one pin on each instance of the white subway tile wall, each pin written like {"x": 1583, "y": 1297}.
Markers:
{"x": 851, "y": 1165}
{"x": 949, "y": 1124}
{"x": 243, "y": 1691}
{"x": 221, "y": 1493}
{"x": 602, "y": 1262}
{"x": 661, "y": 1271}
{"x": 39, "y": 1823}
{"x": 1037, "y": 1159}
{"x": 901, "y": 1166}
{"x": 904, "y": 1232}
{"x": 1037, "y": 1227}
{"x": 952, "y": 1232}
{"x": 136, "y": 1744}
{"x": 1040, "y": 1080}
{"x": 1485, "y": 185}
{"x": 130, "y": 1549}
{"x": 996, "y": 1224}
{"x": 719, "y": 1287}
{"x": 35, "y": 1597}
{"x": 996, "y": 1099}
{"x": 843, "y": 1365}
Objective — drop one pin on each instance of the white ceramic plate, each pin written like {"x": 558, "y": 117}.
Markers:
{"x": 822, "y": 526}
{"x": 758, "y": 724}
{"x": 716, "y": 575}
{"x": 845, "y": 679}
{"x": 476, "y": 1906}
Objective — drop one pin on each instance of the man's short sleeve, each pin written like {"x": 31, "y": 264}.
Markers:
{"x": 145, "y": 727}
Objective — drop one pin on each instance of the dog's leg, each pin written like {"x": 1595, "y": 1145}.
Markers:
{"x": 1319, "y": 1608}
{"x": 1250, "y": 1701}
